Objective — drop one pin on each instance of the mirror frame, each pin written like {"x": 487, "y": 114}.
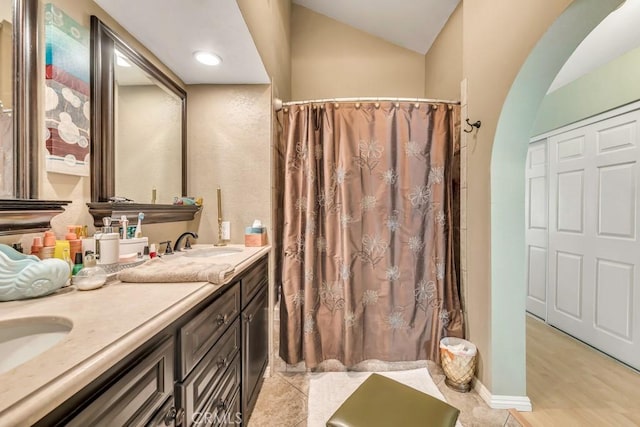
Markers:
{"x": 103, "y": 42}
{"x": 24, "y": 213}
{"x": 25, "y": 110}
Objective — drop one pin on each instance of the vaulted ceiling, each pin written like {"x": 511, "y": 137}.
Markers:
{"x": 174, "y": 31}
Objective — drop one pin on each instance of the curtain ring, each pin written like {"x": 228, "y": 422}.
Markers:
{"x": 377, "y": 105}
{"x": 336, "y": 105}
{"x": 286, "y": 109}
{"x": 435, "y": 107}
{"x": 417, "y": 105}
{"x": 357, "y": 105}
{"x": 450, "y": 107}
{"x": 397, "y": 105}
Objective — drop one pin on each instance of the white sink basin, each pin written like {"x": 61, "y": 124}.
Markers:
{"x": 215, "y": 251}
{"x": 23, "y": 339}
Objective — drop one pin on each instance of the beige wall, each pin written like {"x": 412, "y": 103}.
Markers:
{"x": 443, "y": 61}
{"x": 268, "y": 23}
{"x": 333, "y": 60}
{"x": 497, "y": 38}
{"x": 229, "y": 130}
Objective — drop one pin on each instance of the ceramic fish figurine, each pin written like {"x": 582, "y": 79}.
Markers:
{"x": 26, "y": 276}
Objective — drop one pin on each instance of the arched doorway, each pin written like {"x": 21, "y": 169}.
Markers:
{"x": 508, "y": 340}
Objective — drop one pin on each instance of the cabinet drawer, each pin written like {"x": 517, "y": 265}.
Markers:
{"x": 133, "y": 399}
{"x": 199, "y": 386}
{"x": 222, "y": 402}
{"x": 201, "y": 332}
{"x": 253, "y": 280}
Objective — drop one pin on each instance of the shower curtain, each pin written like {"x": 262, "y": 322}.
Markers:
{"x": 367, "y": 250}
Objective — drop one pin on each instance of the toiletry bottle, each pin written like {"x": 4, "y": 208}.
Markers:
{"x": 124, "y": 224}
{"x": 49, "y": 239}
{"x": 107, "y": 244}
{"x": 71, "y": 233}
{"x": 36, "y": 246}
{"x": 59, "y": 248}
{"x": 77, "y": 264}
{"x": 152, "y": 251}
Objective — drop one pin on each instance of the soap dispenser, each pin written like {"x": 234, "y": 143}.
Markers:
{"x": 91, "y": 276}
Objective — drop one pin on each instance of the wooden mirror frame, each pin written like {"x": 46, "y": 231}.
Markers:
{"x": 103, "y": 42}
{"x": 24, "y": 213}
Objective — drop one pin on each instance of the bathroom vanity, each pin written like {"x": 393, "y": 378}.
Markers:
{"x": 148, "y": 354}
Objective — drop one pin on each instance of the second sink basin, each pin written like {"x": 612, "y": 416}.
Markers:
{"x": 212, "y": 252}
{"x": 24, "y": 339}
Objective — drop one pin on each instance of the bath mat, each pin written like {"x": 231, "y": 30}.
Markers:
{"x": 328, "y": 390}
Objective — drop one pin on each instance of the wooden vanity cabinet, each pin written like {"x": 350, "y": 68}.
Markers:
{"x": 255, "y": 334}
{"x": 206, "y": 368}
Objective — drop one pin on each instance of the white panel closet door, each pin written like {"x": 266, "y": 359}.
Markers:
{"x": 594, "y": 293}
{"x": 536, "y": 228}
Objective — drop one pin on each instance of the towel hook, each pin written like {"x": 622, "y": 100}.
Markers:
{"x": 476, "y": 125}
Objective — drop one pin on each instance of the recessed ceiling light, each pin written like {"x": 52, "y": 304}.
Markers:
{"x": 207, "y": 58}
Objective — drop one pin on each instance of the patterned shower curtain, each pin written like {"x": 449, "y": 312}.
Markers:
{"x": 368, "y": 269}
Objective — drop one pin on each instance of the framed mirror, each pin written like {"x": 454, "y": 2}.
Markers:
{"x": 138, "y": 132}
{"x": 20, "y": 211}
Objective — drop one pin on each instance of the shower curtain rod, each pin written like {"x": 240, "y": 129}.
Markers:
{"x": 281, "y": 104}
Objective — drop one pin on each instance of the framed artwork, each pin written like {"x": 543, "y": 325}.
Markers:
{"x": 67, "y": 94}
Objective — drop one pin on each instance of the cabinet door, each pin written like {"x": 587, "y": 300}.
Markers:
{"x": 255, "y": 349}
{"x": 134, "y": 399}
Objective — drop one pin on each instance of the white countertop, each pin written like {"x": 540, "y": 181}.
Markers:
{"x": 108, "y": 324}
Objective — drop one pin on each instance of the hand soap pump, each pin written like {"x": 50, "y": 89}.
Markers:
{"x": 91, "y": 276}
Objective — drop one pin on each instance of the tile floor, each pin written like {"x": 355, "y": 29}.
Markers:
{"x": 283, "y": 399}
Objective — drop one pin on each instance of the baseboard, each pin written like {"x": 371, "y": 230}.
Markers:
{"x": 520, "y": 403}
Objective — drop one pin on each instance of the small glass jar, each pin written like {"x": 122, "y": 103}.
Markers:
{"x": 91, "y": 276}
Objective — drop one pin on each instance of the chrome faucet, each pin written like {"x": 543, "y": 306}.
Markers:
{"x": 167, "y": 250}
{"x": 187, "y": 245}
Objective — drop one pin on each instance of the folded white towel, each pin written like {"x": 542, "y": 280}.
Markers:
{"x": 159, "y": 270}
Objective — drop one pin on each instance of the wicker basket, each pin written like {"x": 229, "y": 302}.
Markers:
{"x": 459, "y": 366}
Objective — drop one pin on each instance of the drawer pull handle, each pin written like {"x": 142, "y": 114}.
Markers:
{"x": 180, "y": 417}
{"x": 221, "y": 319}
{"x": 222, "y": 362}
{"x": 221, "y": 405}
{"x": 248, "y": 317}
{"x": 171, "y": 416}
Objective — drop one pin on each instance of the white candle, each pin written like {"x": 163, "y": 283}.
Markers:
{"x": 219, "y": 204}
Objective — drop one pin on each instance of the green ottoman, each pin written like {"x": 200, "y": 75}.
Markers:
{"x": 382, "y": 402}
